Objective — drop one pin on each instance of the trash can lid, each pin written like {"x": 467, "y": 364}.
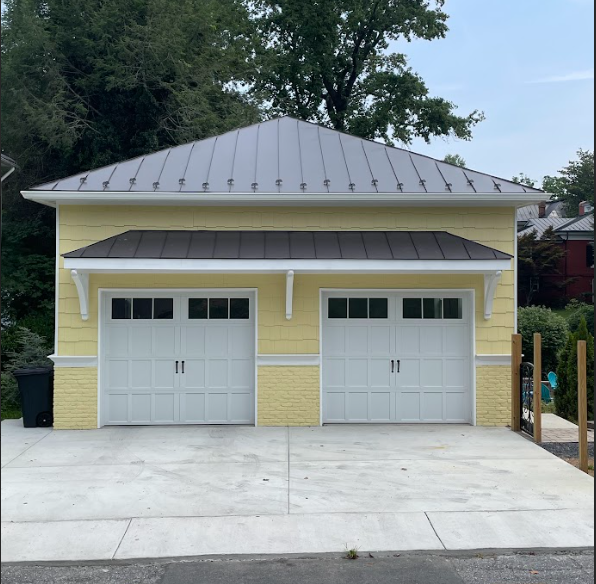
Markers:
{"x": 33, "y": 371}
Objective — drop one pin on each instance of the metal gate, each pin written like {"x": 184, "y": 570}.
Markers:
{"x": 527, "y": 398}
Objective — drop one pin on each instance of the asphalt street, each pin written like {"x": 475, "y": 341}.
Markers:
{"x": 526, "y": 568}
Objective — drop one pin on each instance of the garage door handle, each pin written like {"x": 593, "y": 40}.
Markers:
{"x": 177, "y": 363}
{"x": 392, "y": 366}
{"x": 183, "y": 367}
{"x": 398, "y": 366}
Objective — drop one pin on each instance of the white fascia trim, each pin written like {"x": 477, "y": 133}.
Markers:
{"x": 174, "y": 266}
{"x": 74, "y": 361}
{"x": 52, "y": 198}
{"x": 493, "y": 360}
{"x": 288, "y": 360}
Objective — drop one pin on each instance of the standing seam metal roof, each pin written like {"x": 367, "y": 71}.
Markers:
{"x": 285, "y": 156}
{"x": 291, "y": 245}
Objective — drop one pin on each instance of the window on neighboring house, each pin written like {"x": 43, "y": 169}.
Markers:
{"x": 590, "y": 255}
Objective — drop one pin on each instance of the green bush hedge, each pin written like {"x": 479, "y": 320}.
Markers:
{"x": 578, "y": 310}
{"x": 552, "y": 327}
{"x": 566, "y": 399}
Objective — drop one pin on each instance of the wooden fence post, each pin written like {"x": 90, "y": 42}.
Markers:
{"x": 538, "y": 388}
{"x": 516, "y": 361}
{"x": 582, "y": 387}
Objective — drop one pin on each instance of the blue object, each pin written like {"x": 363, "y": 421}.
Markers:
{"x": 552, "y": 378}
{"x": 546, "y": 397}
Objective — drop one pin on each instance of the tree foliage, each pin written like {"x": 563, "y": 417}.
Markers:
{"x": 332, "y": 62}
{"x": 538, "y": 259}
{"x": 576, "y": 183}
{"x": 566, "y": 400}
{"x": 577, "y": 311}
{"x": 456, "y": 160}
{"x": 552, "y": 327}
{"x": 524, "y": 179}
{"x": 87, "y": 83}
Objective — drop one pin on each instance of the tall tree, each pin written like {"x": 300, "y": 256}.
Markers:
{"x": 333, "y": 62}
{"x": 88, "y": 83}
{"x": 456, "y": 160}
{"x": 538, "y": 259}
{"x": 524, "y": 179}
{"x": 576, "y": 183}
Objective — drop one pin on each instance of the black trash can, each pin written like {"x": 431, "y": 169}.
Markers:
{"x": 37, "y": 396}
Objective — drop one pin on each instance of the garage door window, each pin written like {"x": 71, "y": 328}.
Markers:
{"x": 433, "y": 308}
{"x": 358, "y": 308}
{"x": 142, "y": 309}
{"x": 219, "y": 309}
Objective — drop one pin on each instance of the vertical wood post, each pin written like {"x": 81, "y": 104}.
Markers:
{"x": 516, "y": 361}
{"x": 582, "y": 387}
{"x": 538, "y": 388}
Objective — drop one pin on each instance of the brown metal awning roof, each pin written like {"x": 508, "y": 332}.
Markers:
{"x": 288, "y": 245}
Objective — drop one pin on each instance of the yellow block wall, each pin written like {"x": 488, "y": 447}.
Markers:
{"x": 493, "y": 396}
{"x": 84, "y": 225}
{"x": 289, "y": 396}
{"x": 75, "y": 398}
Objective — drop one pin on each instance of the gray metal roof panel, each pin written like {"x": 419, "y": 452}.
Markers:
{"x": 579, "y": 224}
{"x": 306, "y": 159}
{"x": 540, "y": 226}
{"x": 299, "y": 245}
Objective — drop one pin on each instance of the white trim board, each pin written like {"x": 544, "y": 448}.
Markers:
{"x": 289, "y": 361}
{"x": 52, "y": 198}
{"x": 70, "y": 361}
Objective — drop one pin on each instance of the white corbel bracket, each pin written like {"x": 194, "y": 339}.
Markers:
{"x": 290, "y": 295}
{"x": 491, "y": 281}
{"x": 81, "y": 281}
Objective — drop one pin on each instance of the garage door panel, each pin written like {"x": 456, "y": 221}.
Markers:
{"x": 164, "y": 374}
{"x": 193, "y": 340}
{"x": 380, "y": 407}
{"x": 431, "y": 341}
{"x": 118, "y": 342}
{"x": 335, "y": 373}
{"x": 218, "y": 342}
{"x": 141, "y": 340}
{"x": 358, "y": 373}
{"x": 141, "y": 377}
{"x": 432, "y": 373}
{"x": 456, "y": 409}
{"x": 455, "y": 338}
{"x": 192, "y": 408}
{"x": 241, "y": 408}
{"x": 358, "y": 341}
{"x": 217, "y": 374}
{"x": 118, "y": 374}
{"x": 456, "y": 372}
{"x": 195, "y": 374}
{"x": 335, "y": 406}
{"x": 380, "y": 340}
{"x": 409, "y": 406}
{"x": 165, "y": 341}
{"x": 243, "y": 342}
{"x": 380, "y": 373}
{"x": 334, "y": 341}
{"x": 410, "y": 373}
{"x": 242, "y": 375}
{"x": 408, "y": 341}
{"x": 433, "y": 405}
{"x": 141, "y": 408}
{"x": 118, "y": 408}
{"x": 217, "y": 407}
{"x": 357, "y": 406}
{"x": 165, "y": 408}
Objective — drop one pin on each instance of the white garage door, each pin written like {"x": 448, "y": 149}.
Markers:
{"x": 397, "y": 358}
{"x": 178, "y": 358}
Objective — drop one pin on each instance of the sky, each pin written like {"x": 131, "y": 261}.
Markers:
{"x": 529, "y": 65}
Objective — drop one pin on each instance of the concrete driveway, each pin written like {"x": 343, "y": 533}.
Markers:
{"x": 192, "y": 491}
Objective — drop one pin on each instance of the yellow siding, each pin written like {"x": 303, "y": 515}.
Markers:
{"x": 289, "y": 396}
{"x": 82, "y": 226}
{"x": 493, "y": 394}
{"x": 75, "y": 398}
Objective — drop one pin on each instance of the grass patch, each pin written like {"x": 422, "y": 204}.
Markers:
{"x": 564, "y": 312}
{"x": 549, "y": 408}
{"x": 8, "y": 414}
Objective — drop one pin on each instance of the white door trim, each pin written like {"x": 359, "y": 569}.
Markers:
{"x": 102, "y": 292}
{"x": 470, "y": 293}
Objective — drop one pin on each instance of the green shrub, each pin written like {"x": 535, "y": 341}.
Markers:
{"x": 28, "y": 350}
{"x": 578, "y": 310}
{"x": 566, "y": 398}
{"x": 552, "y": 327}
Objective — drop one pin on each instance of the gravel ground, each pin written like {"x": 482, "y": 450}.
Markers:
{"x": 541, "y": 568}
{"x": 567, "y": 449}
